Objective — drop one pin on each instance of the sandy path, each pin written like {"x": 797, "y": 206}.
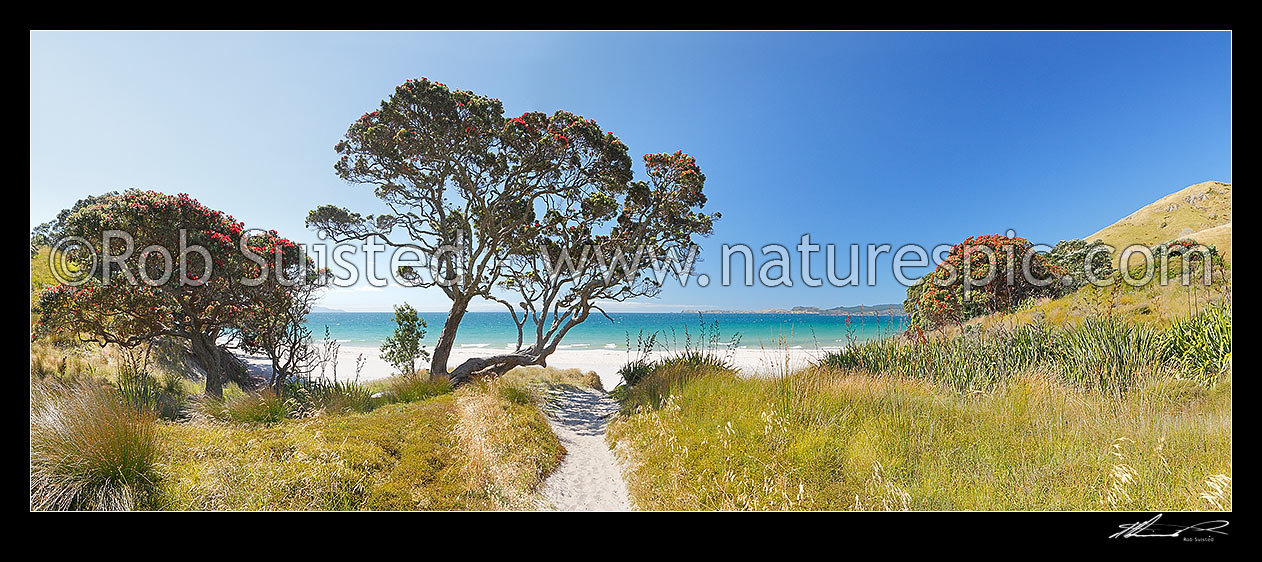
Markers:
{"x": 589, "y": 478}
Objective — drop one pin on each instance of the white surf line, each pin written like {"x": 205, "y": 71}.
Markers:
{"x": 589, "y": 478}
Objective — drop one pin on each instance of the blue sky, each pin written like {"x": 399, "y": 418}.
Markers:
{"x": 850, "y": 137}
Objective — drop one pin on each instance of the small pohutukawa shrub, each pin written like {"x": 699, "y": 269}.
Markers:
{"x": 90, "y": 449}
{"x": 1080, "y": 260}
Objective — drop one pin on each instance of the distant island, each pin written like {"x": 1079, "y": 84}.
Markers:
{"x": 325, "y": 309}
{"x": 860, "y": 310}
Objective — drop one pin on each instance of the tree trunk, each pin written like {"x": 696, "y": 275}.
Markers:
{"x": 279, "y": 375}
{"x": 492, "y": 366}
{"x": 207, "y": 355}
{"x": 446, "y": 338}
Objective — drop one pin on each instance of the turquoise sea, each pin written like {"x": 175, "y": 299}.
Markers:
{"x": 496, "y": 330}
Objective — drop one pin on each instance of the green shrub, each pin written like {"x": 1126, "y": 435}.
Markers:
{"x": 90, "y": 449}
{"x": 166, "y": 398}
{"x": 1095, "y": 353}
{"x": 1201, "y": 344}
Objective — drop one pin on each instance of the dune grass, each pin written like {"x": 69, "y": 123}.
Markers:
{"x": 98, "y": 442}
{"x": 1105, "y": 413}
{"x": 484, "y": 446}
{"x": 90, "y": 449}
{"x": 409, "y": 387}
{"x": 827, "y": 439}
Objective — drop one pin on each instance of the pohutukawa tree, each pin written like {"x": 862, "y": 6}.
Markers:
{"x": 494, "y": 204}
{"x": 274, "y": 326}
{"x": 176, "y": 291}
{"x": 981, "y": 275}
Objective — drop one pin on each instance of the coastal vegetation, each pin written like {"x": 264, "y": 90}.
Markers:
{"x": 981, "y": 275}
{"x": 476, "y": 304}
{"x": 1079, "y": 397}
{"x": 483, "y": 446}
{"x": 403, "y": 348}
{"x": 826, "y": 438}
{"x": 127, "y": 411}
{"x": 1019, "y": 383}
{"x": 408, "y": 442}
{"x": 191, "y": 296}
{"x": 541, "y": 207}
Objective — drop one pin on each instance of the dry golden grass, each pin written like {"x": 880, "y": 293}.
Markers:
{"x": 484, "y": 446}
{"x": 89, "y": 449}
{"x": 1155, "y": 304}
{"x": 508, "y": 446}
{"x": 1201, "y": 208}
{"x": 831, "y": 440}
{"x": 553, "y": 375}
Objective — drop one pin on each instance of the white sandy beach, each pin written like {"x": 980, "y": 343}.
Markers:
{"x": 605, "y": 362}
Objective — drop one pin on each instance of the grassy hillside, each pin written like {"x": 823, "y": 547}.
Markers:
{"x": 1201, "y": 211}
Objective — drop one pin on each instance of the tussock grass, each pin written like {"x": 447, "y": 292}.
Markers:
{"x": 409, "y": 387}
{"x": 90, "y": 449}
{"x": 264, "y": 407}
{"x": 60, "y": 362}
{"x": 481, "y": 447}
{"x": 553, "y": 376}
{"x": 145, "y": 385}
{"x": 510, "y": 446}
{"x": 827, "y": 439}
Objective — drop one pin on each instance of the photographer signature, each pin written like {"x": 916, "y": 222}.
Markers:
{"x": 1151, "y": 528}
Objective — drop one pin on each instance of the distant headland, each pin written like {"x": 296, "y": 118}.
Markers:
{"x": 860, "y": 310}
